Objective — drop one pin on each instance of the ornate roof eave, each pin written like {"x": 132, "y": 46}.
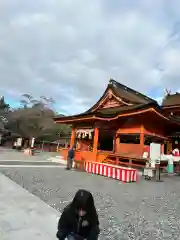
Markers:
{"x": 112, "y": 85}
{"x": 171, "y": 106}
{"x": 109, "y": 94}
{"x": 76, "y": 119}
{"x": 96, "y": 105}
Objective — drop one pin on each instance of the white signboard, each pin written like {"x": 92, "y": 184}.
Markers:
{"x": 155, "y": 153}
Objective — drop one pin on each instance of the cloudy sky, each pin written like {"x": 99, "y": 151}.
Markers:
{"x": 68, "y": 49}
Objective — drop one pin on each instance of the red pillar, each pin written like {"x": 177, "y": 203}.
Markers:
{"x": 162, "y": 148}
{"x": 73, "y": 137}
{"x": 95, "y": 141}
{"x": 117, "y": 142}
{"x": 142, "y": 138}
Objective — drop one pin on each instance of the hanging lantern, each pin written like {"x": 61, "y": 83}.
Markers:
{"x": 176, "y": 142}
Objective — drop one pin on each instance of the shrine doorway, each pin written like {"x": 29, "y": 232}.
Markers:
{"x": 106, "y": 140}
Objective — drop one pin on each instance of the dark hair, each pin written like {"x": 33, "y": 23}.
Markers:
{"x": 84, "y": 200}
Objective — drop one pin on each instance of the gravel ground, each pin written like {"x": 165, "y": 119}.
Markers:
{"x": 147, "y": 210}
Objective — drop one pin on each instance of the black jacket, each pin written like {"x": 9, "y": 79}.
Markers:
{"x": 71, "y": 153}
{"x": 70, "y": 222}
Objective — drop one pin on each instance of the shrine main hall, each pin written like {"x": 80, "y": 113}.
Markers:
{"x": 121, "y": 126}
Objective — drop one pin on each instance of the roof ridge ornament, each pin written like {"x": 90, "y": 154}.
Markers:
{"x": 112, "y": 82}
{"x": 167, "y": 92}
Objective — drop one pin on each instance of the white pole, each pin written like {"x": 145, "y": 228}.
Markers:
{"x": 32, "y": 142}
{"x": 42, "y": 148}
{"x": 58, "y": 142}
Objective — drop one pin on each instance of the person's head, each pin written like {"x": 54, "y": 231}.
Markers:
{"x": 83, "y": 202}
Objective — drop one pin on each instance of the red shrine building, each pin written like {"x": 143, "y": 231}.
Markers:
{"x": 121, "y": 126}
{"x": 171, "y": 109}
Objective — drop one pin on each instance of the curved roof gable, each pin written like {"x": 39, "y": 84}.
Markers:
{"x": 171, "y": 100}
{"x": 122, "y": 94}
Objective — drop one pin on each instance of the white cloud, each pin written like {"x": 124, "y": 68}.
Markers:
{"x": 69, "y": 49}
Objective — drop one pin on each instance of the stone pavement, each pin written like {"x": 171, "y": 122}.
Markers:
{"x": 24, "y": 216}
{"x": 14, "y": 155}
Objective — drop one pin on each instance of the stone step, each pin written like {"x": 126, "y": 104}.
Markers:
{"x": 59, "y": 159}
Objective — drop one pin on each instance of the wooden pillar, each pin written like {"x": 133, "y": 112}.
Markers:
{"x": 78, "y": 145}
{"x": 162, "y": 148}
{"x": 114, "y": 144}
{"x": 117, "y": 142}
{"x": 169, "y": 147}
{"x": 142, "y": 138}
{"x": 95, "y": 141}
{"x": 73, "y": 138}
{"x": 117, "y": 147}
